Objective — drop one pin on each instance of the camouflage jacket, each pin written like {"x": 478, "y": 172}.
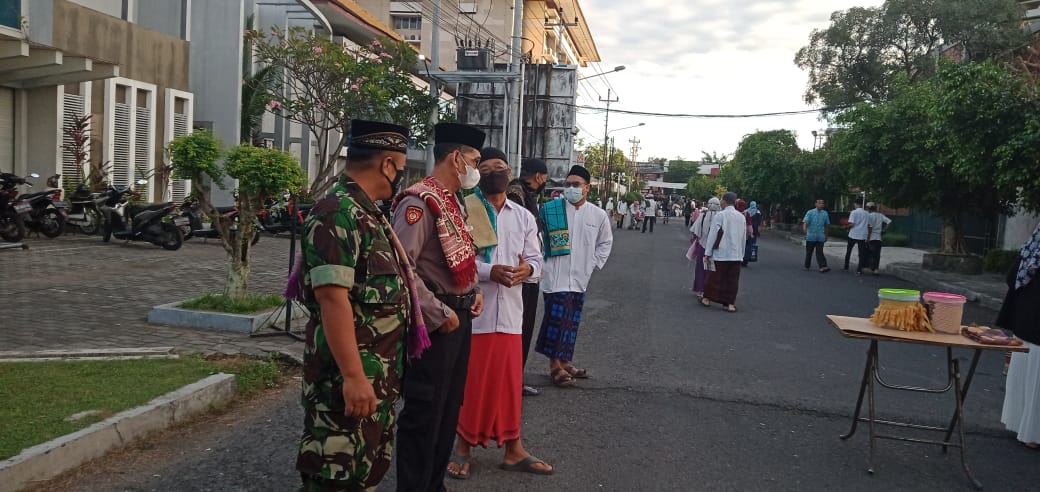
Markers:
{"x": 345, "y": 242}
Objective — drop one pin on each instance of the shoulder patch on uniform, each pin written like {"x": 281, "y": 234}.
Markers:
{"x": 412, "y": 215}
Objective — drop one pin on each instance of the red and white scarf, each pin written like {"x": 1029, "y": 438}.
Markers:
{"x": 459, "y": 251}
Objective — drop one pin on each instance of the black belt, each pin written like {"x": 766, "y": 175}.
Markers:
{"x": 458, "y": 303}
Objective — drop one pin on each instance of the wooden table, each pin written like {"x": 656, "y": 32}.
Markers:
{"x": 865, "y": 329}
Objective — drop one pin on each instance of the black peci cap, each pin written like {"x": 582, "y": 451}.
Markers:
{"x": 458, "y": 133}
{"x": 377, "y": 135}
{"x": 577, "y": 170}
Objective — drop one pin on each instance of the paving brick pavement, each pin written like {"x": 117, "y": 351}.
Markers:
{"x": 76, "y": 292}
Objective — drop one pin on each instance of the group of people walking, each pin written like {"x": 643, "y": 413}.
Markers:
{"x": 723, "y": 238}
{"x": 436, "y": 306}
{"x": 865, "y": 226}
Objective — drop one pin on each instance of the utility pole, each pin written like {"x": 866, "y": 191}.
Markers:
{"x": 604, "y": 190}
{"x": 435, "y": 91}
{"x": 514, "y": 125}
{"x": 635, "y": 152}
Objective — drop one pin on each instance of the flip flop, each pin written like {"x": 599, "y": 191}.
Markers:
{"x": 561, "y": 378}
{"x": 730, "y": 309}
{"x": 576, "y": 373}
{"x": 462, "y": 461}
{"x": 524, "y": 465}
{"x": 705, "y": 302}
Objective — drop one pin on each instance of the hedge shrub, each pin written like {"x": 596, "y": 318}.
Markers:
{"x": 999, "y": 260}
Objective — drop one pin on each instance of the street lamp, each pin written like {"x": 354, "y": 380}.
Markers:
{"x": 616, "y": 69}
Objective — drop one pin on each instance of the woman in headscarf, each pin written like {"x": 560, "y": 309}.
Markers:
{"x": 1021, "y": 314}
{"x": 754, "y": 217}
{"x": 699, "y": 231}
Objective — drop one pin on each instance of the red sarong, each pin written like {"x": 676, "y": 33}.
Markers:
{"x": 491, "y": 406}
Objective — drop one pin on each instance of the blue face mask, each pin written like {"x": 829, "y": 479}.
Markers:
{"x": 572, "y": 195}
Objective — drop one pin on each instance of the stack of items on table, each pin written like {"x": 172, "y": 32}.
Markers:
{"x": 908, "y": 310}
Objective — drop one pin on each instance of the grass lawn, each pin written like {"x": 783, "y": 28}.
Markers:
{"x": 38, "y": 396}
{"x": 251, "y": 304}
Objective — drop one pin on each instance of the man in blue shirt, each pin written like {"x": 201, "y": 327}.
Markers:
{"x": 814, "y": 225}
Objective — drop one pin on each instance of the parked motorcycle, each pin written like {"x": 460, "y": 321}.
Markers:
{"x": 277, "y": 215}
{"x": 195, "y": 227}
{"x": 86, "y": 209}
{"x": 48, "y": 212}
{"x": 152, "y": 222}
{"x": 13, "y": 212}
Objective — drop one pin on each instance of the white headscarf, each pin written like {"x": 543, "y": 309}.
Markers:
{"x": 703, "y": 223}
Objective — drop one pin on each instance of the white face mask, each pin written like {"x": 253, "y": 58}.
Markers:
{"x": 470, "y": 179}
{"x": 572, "y": 195}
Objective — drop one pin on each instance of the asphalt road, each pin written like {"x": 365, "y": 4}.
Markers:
{"x": 682, "y": 397}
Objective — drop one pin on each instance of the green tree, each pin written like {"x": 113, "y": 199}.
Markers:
{"x": 860, "y": 55}
{"x": 961, "y": 143}
{"x": 768, "y": 162}
{"x": 731, "y": 177}
{"x": 821, "y": 174}
{"x": 596, "y": 160}
{"x": 323, "y": 86}
{"x": 700, "y": 187}
{"x": 681, "y": 171}
{"x": 259, "y": 172}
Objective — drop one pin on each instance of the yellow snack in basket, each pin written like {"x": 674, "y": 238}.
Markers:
{"x": 901, "y": 315}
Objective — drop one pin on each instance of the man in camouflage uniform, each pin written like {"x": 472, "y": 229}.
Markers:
{"x": 355, "y": 284}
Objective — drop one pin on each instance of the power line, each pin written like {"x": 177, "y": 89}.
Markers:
{"x": 596, "y": 110}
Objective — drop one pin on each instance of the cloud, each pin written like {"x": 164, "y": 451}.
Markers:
{"x": 703, "y": 57}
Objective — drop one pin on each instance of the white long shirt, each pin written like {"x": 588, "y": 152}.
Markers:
{"x": 859, "y": 219}
{"x": 734, "y": 235}
{"x": 650, "y": 209}
{"x": 591, "y": 240}
{"x": 876, "y": 221}
{"x": 504, "y": 306}
{"x": 622, "y": 208}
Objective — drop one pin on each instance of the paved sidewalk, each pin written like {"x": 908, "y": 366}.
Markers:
{"x": 987, "y": 289}
{"x": 75, "y": 292}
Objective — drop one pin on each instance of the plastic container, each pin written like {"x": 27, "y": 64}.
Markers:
{"x": 946, "y": 311}
{"x": 900, "y": 295}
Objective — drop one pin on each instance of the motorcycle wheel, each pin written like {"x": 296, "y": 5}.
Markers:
{"x": 51, "y": 223}
{"x": 172, "y": 237}
{"x": 11, "y": 227}
{"x": 93, "y": 222}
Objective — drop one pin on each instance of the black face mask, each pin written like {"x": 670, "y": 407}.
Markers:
{"x": 395, "y": 183}
{"x": 494, "y": 183}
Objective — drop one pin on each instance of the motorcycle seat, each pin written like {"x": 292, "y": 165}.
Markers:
{"x": 224, "y": 210}
{"x": 144, "y": 207}
{"x": 30, "y": 196}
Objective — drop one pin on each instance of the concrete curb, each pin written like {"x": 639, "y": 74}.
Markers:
{"x": 172, "y": 314}
{"x": 909, "y": 274}
{"x": 90, "y": 354}
{"x": 50, "y": 459}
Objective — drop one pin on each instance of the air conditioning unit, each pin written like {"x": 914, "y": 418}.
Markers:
{"x": 269, "y": 143}
{"x": 467, "y": 8}
{"x": 473, "y": 59}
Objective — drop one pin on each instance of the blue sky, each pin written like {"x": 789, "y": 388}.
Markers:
{"x": 700, "y": 57}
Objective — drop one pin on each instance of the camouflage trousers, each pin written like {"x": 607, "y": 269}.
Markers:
{"x": 345, "y": 453}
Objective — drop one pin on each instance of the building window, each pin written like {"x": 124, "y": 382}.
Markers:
{"x": 407, "y": 22}
{"x": 11, "y": 13}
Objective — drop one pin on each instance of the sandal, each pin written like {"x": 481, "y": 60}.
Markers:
{"x": 575, "y": 372}
{"x": 731, "y": 308}
{"x": 462, "y": 462}
{"x": 705, "y": 301}
{"x": 525, "y": 465}
{"x": 561, "y": 378}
